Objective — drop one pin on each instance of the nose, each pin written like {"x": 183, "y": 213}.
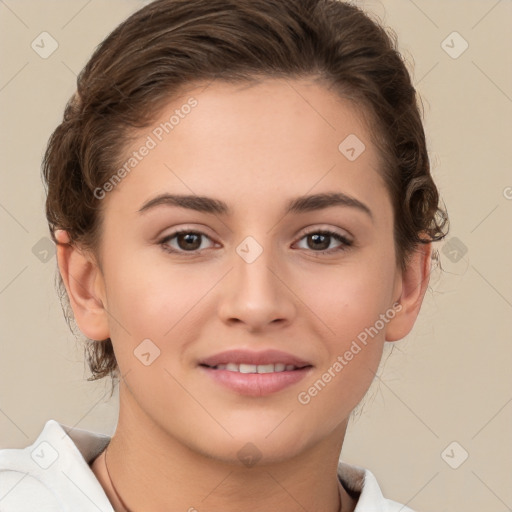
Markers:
{"x": 257, "y": 293}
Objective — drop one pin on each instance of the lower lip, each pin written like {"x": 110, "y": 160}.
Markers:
{"x": 256, "y": 384}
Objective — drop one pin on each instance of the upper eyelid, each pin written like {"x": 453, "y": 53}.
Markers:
{"x": 308, "y": 231}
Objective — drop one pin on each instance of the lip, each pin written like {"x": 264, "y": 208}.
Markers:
{"x": 255, "y": 384}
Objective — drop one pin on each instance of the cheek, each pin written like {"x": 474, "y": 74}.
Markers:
{"x": 349, "y": 303}
{"x": 155, "y": 299}
{"x": 348, "y": 297}
{"x": 351, "y": 306}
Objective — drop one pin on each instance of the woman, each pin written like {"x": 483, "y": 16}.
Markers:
{"x": 241, "y": 197}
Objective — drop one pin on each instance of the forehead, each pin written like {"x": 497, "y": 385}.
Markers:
{"x": 261, "y": 138}
{"x": 278, "y": 115}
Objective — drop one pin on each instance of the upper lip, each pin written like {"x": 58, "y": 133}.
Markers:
{"x": 241, "y": 356}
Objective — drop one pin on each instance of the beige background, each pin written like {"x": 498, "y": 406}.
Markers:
{"x": 449, "y": 380}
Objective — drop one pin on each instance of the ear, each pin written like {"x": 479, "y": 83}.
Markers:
{"x": 85, "y": 287}
{"x": 411, "y": 287}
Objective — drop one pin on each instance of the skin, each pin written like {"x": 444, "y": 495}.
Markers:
{"x": 253, "y": 147}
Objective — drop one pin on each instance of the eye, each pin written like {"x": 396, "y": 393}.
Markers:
{"x": 321, "y": 240}
{"x": 186, "y": 240}
{"x": 189, "y": 241}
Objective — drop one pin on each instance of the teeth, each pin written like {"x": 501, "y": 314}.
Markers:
{"x": 253, "y": 368}
{"x": 248, "y": 368}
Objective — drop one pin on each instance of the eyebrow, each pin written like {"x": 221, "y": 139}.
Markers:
{"x": 297, "y": 205}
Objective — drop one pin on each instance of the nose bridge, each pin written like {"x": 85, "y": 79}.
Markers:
{"x": 256, "y": 295}
{"x": 254, "y": 265}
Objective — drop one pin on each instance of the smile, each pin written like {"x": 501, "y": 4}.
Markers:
{"x": 256, "y": 368}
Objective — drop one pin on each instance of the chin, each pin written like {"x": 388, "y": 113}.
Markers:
{"x": 255, "y": 445}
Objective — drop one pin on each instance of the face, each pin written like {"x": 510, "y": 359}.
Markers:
{"x": 260, "y": 277}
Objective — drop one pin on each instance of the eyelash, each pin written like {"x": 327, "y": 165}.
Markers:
{"x": 346, "y": 244}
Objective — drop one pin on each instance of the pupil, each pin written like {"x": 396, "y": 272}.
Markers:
{"x": 325, "y": 238}
{"x": 187, "y": 237}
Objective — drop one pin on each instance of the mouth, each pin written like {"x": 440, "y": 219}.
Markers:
{"x": 256, "y": 368}
{"x": 255, "y": 374}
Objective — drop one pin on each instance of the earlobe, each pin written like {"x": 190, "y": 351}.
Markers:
{"x": 414, "y": 283}
{"x": 84, "y": 285}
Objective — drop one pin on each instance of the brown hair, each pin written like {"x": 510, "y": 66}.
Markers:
{"x": 168, "y": 44}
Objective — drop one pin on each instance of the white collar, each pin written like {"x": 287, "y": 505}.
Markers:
{"x": 70, "y": 451}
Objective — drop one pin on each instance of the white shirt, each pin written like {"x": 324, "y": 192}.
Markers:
{"x": 53, "y": 475}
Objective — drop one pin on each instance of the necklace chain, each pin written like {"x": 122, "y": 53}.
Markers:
{"x": 128, "y": 510}
{"x": 112, "y": 484}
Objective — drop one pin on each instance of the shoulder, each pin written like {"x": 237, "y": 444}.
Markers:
{"x": 362, "y": 484}
{"x": 53, "y": 472}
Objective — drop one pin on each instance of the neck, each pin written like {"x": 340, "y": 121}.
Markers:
{"x": 141, "y": 456}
